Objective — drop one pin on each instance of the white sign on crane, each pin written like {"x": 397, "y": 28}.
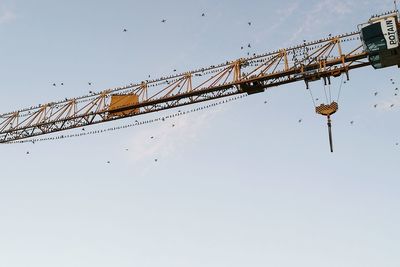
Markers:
{"x": 389, "y": 30}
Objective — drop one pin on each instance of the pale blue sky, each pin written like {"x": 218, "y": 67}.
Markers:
{"x": 243, "y": 184}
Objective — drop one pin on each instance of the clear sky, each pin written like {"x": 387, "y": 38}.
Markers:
{"x": 242, "y": 184}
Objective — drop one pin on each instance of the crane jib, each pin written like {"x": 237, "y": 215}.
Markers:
{"x": 309, "y": 61}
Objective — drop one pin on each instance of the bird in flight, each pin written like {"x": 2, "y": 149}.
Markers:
{"x": 125, "y": 30}
{"x": 376, "y": 93}
{"x": 300, "y": 120}
{"x": 164, "y": 20}
{"x": 249, "y": 23}
{"x": 203, "y": 15}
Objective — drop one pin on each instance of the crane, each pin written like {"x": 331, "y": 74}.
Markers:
{"x": 376, "y": 44}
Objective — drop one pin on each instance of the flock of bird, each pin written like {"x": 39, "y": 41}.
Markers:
{"x": 396, "y": 90}
{"x": 249, "y": 23}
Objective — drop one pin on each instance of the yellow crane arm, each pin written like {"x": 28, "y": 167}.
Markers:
{"x": 321, "y": 59}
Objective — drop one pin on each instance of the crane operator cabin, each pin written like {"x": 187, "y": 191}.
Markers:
{"x": 381, "y": 40}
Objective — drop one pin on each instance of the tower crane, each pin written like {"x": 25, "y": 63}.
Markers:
{"x": 375, "y": 43}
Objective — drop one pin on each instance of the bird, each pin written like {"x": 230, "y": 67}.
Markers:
{"x": 152, "y": 137}
{"x": 265, "y": 102}
{"x": 352, "y": 122}
{"x": 392, "y": 105}
{"x": 125, "y": 30}
{"x": 126, "y": 149}
{"x": 397, "y": 89}
{"x": 397, "y": 144}
{"x": 241, "y": 47}
{"x": 174, "y": 70}
{"x": 375, "y": 105}
{"x": 249, "y": 23}
{"x": 376, "y": 93}
{"x": 62, "y": 83}
{"x": 203, "y": 15}
{"x": 173, "y": 125}
{"x": 108, "y": 162}
{"x": 83, "y": 129}
{"x": 300, "y": 120}
{"x": 89, "y": 83}
{"x": 54, "y": 84}
{"x": 249, "y": 46}
{"x": 164, "y": 20}
{"x": 155, "y": 160}
{"x": 27, "y": 152}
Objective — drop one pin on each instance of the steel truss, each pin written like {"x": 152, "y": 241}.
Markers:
{"x": 322, "y": 59}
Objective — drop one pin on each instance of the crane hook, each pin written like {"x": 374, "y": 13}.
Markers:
{"x": 328, "y": 110}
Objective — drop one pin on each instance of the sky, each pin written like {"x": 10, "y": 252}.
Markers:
{"x": 240, "y": 184}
